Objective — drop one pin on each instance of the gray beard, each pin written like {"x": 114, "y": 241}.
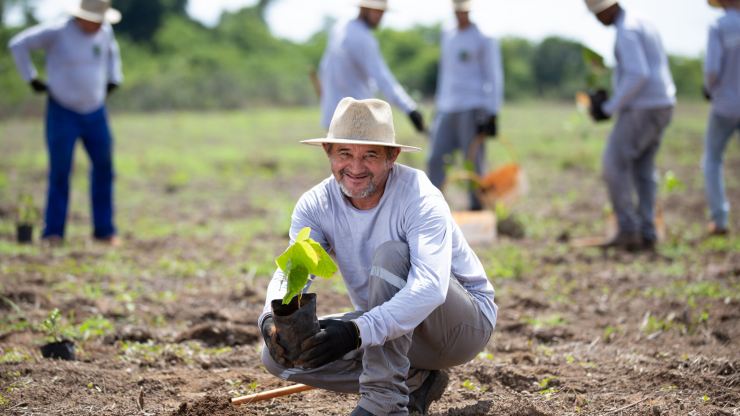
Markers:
{"x": 362, "y": 195}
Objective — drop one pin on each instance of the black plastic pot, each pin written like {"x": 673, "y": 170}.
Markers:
{"x": 24, "y": 233}
{"x": 62, "y": 350}
{"x": 294, "y": 323}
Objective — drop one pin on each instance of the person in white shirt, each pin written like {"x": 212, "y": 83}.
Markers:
{"x": 83, "y": 66}
{"x": 352, "y": 66}
{"x": 470, "y": 91}
{"x": 422, "y": 300}
{"x": 643, "y": 99}
{"x": 722, "y": 87}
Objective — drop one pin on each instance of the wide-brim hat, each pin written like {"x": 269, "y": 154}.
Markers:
{"x": 714, "y": 3}
{"x": 462, "y": 5}
{"x": 366, "y": 122}
{"x": 96, "y": 11}
{"x": 598, "y": 6}
{"x": 374, "y": 4}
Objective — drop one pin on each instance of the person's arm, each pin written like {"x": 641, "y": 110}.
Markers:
{"x": 115, "y": 73}
{"x": 21, "y": 45}
{"x": 713, "y": 60}
{"x": 366, "y": 54}
{"x": 634, "y": 71}
{"x": 429, "y": 237}
{"x": 493, "y": 73}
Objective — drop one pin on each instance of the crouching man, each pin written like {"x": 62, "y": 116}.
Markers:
{"x": 422, "y": 300}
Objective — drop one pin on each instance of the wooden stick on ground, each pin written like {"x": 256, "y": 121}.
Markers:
{"x": 270, "y": 394}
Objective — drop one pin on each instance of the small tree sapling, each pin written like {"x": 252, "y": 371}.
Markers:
{"x": 305, "y": 256}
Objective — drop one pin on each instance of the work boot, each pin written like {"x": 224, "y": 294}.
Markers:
{"x": 715, "y": 231}
{"x": 359, "y": 411}
{"x": 431, "y": 390}
{"x": 625, "y": 241}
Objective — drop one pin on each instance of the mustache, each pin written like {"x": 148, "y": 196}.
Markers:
{"x": 344, "y": 172}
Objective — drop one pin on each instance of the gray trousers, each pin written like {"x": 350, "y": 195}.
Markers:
{"x": 452, "y": 334}
{"x": 450, "y": 132}
{"x": 629, "y": 165}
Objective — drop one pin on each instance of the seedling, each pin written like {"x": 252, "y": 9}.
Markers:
{"x": 53, "y": 328}
{"x": 27, "y": 216}
{"x": 305, "y": 256}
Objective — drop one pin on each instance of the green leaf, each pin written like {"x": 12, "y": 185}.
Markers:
{"x": 326, "y": 266}
{"x": 297, "y": 276}
{"x": 305, "y": 255}
{"x": 283, "y": 259}
{"x": 303, "y": 234}
{"x": 593, "y": 59}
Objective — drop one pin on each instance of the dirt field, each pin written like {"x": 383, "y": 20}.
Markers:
{"x": 165, "y": 325}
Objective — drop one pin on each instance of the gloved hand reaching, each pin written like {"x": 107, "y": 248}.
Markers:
{"x": 38, "y": 86}
{"x": 417, "y": 120}
{"x": 597, "y": 101}
{"x": 705, "y": 92}
{"x": 110, "y": 87}
{"x": 277, "y": 352}
{"x": 335, "y": 339}
{"x": 488, "y": 127}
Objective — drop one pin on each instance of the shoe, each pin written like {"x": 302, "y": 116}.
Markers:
{"x": 625, "y": 241}
{"x": 360, "y": 412}
{"x": 431, "y": 390}
{"x": 111, "y": 240}
{"x": 649, "y": 245}
{"x": 52, "y": 241}
{"x": 714, "y": 231}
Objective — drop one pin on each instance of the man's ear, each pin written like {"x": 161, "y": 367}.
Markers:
{"x": 327, "y": 148}
{"x": 394, "y": 154}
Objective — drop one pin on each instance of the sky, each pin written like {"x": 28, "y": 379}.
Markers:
{"x": 682, "y": 23}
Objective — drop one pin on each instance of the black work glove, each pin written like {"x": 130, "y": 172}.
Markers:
{"x": 38, "y": 86}
{"x": 417, "y": 120}
{"x": 277, "y": 352}
{"x": 110, "y": 88}
{"x": 335, "y": 339}
{"x": 705, "y": 93}
{"x": 597, "y": 101}
{"x": 488, "y": 127}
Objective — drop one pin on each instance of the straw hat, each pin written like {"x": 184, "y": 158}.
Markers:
{"x": 366, "y": 122}
{"x": 374, "y": 4}
{"x": 598, "y": 6}
{"x": 96, "y": 11}
{"x": 461, "y": 5}
{"x": 714, "y": 3}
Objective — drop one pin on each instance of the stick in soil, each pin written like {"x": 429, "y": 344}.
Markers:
{"x": 270, "y": 394}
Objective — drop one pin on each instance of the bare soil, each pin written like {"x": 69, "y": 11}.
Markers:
{"x": 579, "y": 331}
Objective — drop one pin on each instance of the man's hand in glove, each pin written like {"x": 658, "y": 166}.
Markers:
{"x": 110, "y": 88}
{"x": 277, "y": 352}
{"x": 417, "y": 120}
{"x": 597, "y": 101}
{"x": 705, "y": 92}
{"x": 489, "y": 127}
{"x": 38, "y": 86}
{"x": 335, "y": 339}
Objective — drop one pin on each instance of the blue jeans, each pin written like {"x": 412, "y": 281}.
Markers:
{"x": 63, "y": 127}
{"x": 719, "y": 133}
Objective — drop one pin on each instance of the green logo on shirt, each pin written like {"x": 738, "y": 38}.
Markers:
{"x": 464, "y": 56}
{"x": 96, "y": 51}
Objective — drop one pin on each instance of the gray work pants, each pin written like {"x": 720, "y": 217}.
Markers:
{"x": 629, "y": 165}
{"x": 452, "y": 334}
{"x": 450, "y": 132}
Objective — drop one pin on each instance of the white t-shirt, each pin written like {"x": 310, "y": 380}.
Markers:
{"x": 411, "y": 210}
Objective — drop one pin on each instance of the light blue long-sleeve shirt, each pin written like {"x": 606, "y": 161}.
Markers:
{"x": 352, "y": 66}
{"x": 471, "y": 74}
{"x": 642, "y": 77}
{"x": 722, "y": 64}
{"x": 411, "y": 210}
{"x": 78, "y": 65}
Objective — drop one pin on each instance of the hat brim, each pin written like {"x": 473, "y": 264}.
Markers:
{"x": 111, "y": 16}
{"x": 373, "y": 5}
{"x": 320, "y": 141}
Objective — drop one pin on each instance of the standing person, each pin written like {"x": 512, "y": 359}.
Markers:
{"x": 722, "y": 85}
{"x": 83, "y": 66}
{"x": 470, "y": 90}
{"x": 396, "y": 244}
{"x": 643, "y": 100}
{"x": 352, "y": 66}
